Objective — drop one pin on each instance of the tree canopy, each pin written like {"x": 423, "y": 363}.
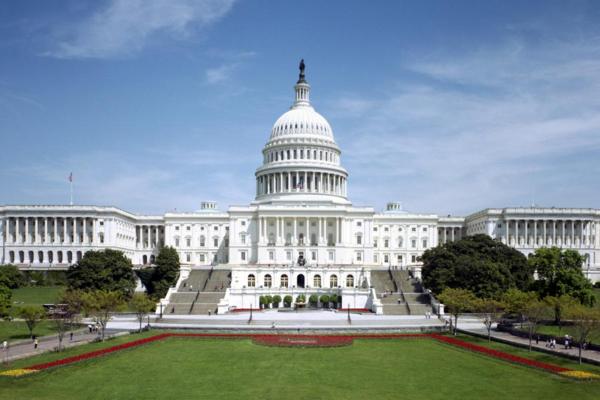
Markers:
{"x": 5, "y": 301}
{"x": 559, "y": 273}
{"x": 106, "y": 270}
{"x": 160, "y": 278}
{"x": 477, "y": 263}
{"x": 11, "y": 277}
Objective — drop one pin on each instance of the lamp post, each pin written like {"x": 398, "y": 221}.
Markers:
{"x": 250, "y": 319}
{"x": 161, "y": 310}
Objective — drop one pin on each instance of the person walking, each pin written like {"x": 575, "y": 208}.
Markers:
{"x": 71, "y": 336}
{"x": 35, "y": 344}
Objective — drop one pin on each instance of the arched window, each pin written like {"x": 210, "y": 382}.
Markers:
{"x": 284, "y": 281}
{"x": 50, "y": 257}
{"x": 350, "y": 281}
{"x": 21, "y": 257}
{"x": 317, "y": 281}
{"x": 268, "y": 281}
{"x": 144, "y": 260}
{"x": 202, "y": 241}
{"x": 251, "y": 281}
{"x": 301, "y": 239}
{"x": 78, "y": 256}
{"x": 11, "y": 256}
{"x": 333, "y": 282}
{"x": 60, "y": 257}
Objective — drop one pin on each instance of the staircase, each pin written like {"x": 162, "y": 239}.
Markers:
{"x": 399, "y": 293}
{"x": 200, "y": 293}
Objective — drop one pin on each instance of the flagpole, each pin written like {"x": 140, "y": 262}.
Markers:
{"x": 71, "y": 185}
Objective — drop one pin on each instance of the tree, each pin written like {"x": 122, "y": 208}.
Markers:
{"x": 492, "y": 311}
{"x": 516, "y": 302}
{"x": 268, "y": 301}
{"x": 32, "y": 315}
{"x": 276, "y": 300}
{"x": 334, "y": 300}
{"x": 535, "y": 311}
{"x": 5, "y": 301}
{"x": 313, "y": 299}
{"x": 586, "y": 321}
{"x": 107, "y": 270}
{"x": 165, "y": 272}
{"x": 141, "y": 305}
{"x": 476, "y": 263}
{"x": 61, "y": 325}
{"x": 72, "y": 303}
{"x": 559, "y": 273}
{"x": 101, "y": 304}
{"x": 262, "y": 300}
{"x": 324, "y": 300}
{"x": 287, "y": 300}
{"x": 458, "y": 301}
{"x": 11, "y": 277}
{"x": 559, "y": 305}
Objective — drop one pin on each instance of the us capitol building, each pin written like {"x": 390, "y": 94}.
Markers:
{"x": 300, "y": 231}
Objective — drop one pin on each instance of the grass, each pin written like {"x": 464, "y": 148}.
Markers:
{"x": 35, "y": 295}
{"x": 15, "y": 330}
{"x": 188, "y": 368}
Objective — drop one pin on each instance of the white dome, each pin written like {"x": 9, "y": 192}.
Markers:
{"x": 301, "y": 120}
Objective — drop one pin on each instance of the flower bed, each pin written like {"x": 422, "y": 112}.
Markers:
{"x": 303, "y": 340}
{"x": 311, "y": 341}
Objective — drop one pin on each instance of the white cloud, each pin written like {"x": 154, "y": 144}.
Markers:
{"x": 482, "y": 130}
{"x": 124, "y": 27}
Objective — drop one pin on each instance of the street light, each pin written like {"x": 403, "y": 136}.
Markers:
{"x": 349, "y": 320}
{"x": 250, "y": 319}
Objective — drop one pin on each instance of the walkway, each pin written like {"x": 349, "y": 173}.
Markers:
{"x": 25, "y": 348}
{"x": 476, "y": 326}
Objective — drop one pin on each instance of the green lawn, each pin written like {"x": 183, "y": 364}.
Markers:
{"x": 35, "y": 295}
{"x": 15, "y": 330}
{"x": 237, "y": 369}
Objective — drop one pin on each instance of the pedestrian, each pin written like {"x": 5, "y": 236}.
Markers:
{"x": 90, "y": 328}
{"x": 35, "y": 344}
{"x": 4, "y": 345}
{"x": 71, "y": 336}
{"x": 537, "y": 339}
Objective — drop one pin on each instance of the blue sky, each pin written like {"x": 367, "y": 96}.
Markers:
{"x": 449, "y": 107}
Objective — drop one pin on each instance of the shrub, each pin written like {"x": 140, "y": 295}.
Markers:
{"x": 301, "y": 299}
{"x": 11, "y": 277}
{"x": 313, "y": 299}
{"x": 268, "y": 301}
{"x": 324, "y": 300}
{"x": 334, "y": 299}
{"x": 262, "y": 300}
{"x": 597, "y": 285}
{"x": 287, "y": 301}
{"x": 276, "y": 300}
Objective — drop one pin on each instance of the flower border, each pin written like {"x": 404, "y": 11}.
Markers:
{"x": 299, "y": 340}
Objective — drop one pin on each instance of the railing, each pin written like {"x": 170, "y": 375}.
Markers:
{"x": 194, "y": 301}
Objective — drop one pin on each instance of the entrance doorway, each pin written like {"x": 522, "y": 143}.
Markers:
{"x": 300, "y": 281}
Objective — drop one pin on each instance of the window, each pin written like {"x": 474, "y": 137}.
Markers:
{"x": 386, "y": 243}
{"x": 268, "y": 282}
{"x": 271, "y": 256}
{"x": 188, "y": 257}
{"x": 424, "y": 243}
{"x": 288, "y": 255}
{"x": 350, "y": 281}
{"x": 414, "y": 229}
{"x": 189, "y": 228}
{"x": 358, "y": 256}
{"x": 251, "y": 281}
{"x": 216, "y": 228}
{"x": 313, "y": 255}
{"x": 413, "y": 258}
{"x": 375, "y": 258}
{"x": 188, "y": 242}
{"x": 243, "y": 223}
{"x": 243, "y": 256}
{"x": 386, "y": 229}
{"x": 359, "y": 239}
{"x": 216, "y": 242}
{"x": 374, "y": 242}
{"x": 331, "y": 256}
{"x": 333, "y": 281}
{"x": 399, "y": 258}
{"x": 177, "y": 228}
{"x": 176, "y": 242}
{"x": 413, "y": 243}
{"x": 202, "y": 241}
{"x": 202, "y": 257}
{"x": 284, "y": 280}
{"x": 358, "y": 223}
{"x": 243, "y": 238}
{"x": 317, "y": 281}
{"x": 386, "y": 258}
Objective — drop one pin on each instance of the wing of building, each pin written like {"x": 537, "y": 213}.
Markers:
{"x": 300, "y": 231}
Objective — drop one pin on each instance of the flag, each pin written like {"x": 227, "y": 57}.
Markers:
{"x": 71, "y": 177}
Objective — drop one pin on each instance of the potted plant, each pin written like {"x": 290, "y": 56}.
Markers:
{"x": 287, "y": 301}
{"x": 313, "y": 300}
{"x": 276, "y": 301}
{"x": 262, "y": 301}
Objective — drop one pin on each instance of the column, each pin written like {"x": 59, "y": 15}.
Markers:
{"x": 319, "y": 230}
{"x": 27, "y": 232}
{"x": 84, "y": 230}
{"x": 563, "y": 233}
{"x": 277, "y": 241}
{"x": 572, "y": 233}
{"x": 46, "y": 233}
{"x": 295, "y": 237}
{"x": 516, "y": 233}
{"x": 553, "y": 233}
{"x": 75, "y": 230}
{"x": 535, "y": 241}
{"x": 321, "y": 183}
{"x": 281, "y": 185}
{"x": 545, "y": 238}
{"x": 506, "y": 232}
{"x": 452, "y": 234}
{"x": 307, "y": 233}
{"x": 305, "y": 182}
{"x": 526, "y": 237}
{"x": 36, "y": 230}
{"x": 339, "y": 228}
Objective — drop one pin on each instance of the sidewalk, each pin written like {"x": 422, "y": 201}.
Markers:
{"x": 25, "y": 348}
{"x": 590, "y": 356}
